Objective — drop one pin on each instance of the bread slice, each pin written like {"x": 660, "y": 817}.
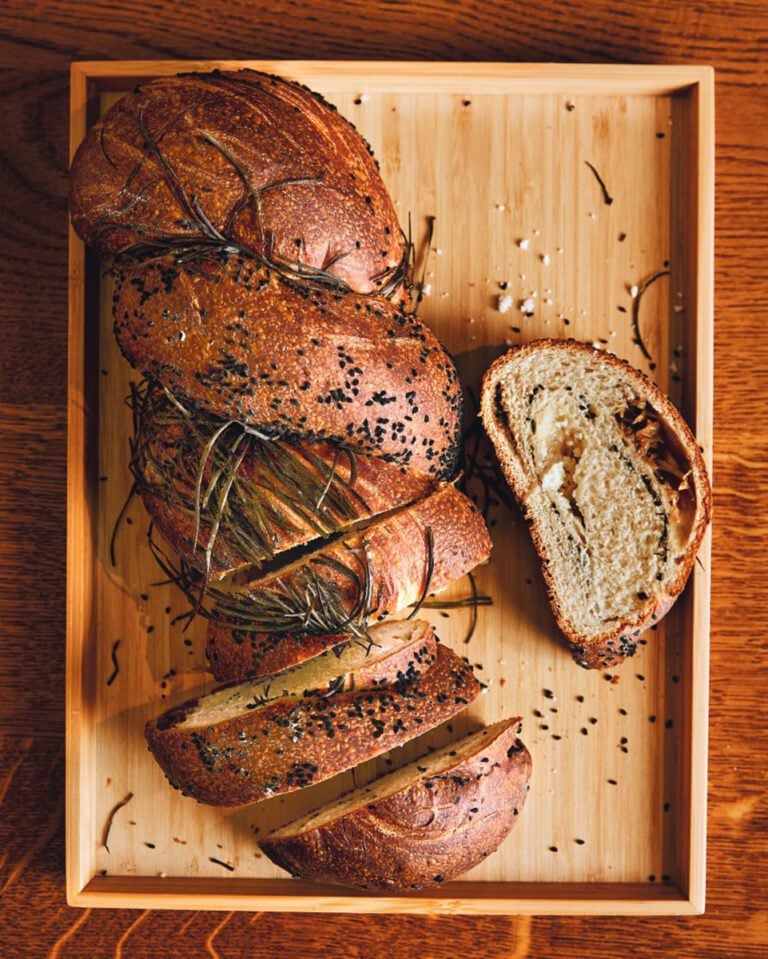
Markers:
{"x": 247, "y": 742}
{"x": 341, "y": 587}
{"x": 224, "y": 498}
{"x": 610, "y": 479}
{"x": 423, "y": 824}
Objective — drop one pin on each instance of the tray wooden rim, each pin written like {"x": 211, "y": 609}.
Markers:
{"x": 687, "y": 898}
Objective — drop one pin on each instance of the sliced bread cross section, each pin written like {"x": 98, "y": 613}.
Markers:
{"x": 611, "y": 481}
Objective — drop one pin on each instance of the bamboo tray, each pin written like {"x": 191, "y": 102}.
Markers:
{"x": 497, "y": 153}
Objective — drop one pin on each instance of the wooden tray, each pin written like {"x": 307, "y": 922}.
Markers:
{"x": 498, "y": 154}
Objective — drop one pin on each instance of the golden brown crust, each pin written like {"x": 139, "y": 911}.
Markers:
{"x": 432, "y": 830}
{"x": 184, "y": 155}
{"x": 370, "y": 575}
{"x": 290, "y": 743}
{"x": 247, "y": 345}
{"x": 611, "y": 646}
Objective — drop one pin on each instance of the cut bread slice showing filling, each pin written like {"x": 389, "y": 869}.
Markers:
{"x": 609, "y": 477}
{"x": 423, "y": 824}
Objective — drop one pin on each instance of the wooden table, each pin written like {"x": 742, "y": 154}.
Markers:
{"x": 37, "y": 42}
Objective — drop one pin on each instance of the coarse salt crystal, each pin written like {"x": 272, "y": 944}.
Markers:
{"x": 633, "y": 291}
{"x": 438, "y": 251}
{"x": 524, "y": 243}
{"x": 499, "y": 206}
{"x": 426, "y": 289}
{"x": 528, "y": 305}
{"x": 504, "y": 303}
{"x": 545, "y": 259}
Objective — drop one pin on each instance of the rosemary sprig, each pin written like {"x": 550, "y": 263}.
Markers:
{"x": 607, "y": 198}
{"x": 642, "y": 287}
{"x": 236, "y": 486}
{"x": 430, "y": 546}
{"x": 110, "y": 817}
{"x": 115, "y": 664}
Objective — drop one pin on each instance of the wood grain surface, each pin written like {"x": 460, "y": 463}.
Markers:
{"x": 37, "y": 42}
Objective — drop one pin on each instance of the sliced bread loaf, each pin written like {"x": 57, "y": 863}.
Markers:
{"x": 247, "y": 742}
{"x": 423, "y": 824}
{"x": 610, "y": 479}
